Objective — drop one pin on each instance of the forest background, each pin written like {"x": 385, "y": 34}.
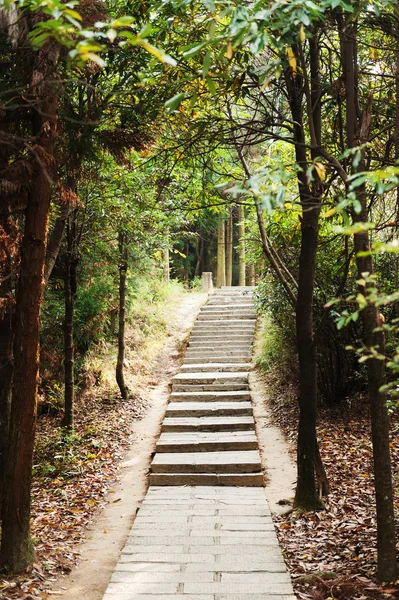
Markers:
{"x": 140, "y": 140}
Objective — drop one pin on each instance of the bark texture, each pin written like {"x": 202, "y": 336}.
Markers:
{"x": 306, "y": 495}
{"x": 229, "y": 249}
{"x": 221, "y": 256}
{"x": 16, "y": 543}
{"x": 357, "y": 130}
{"x": 70, "y": 288}
{"x": 241, "y": 245}
{"x": 120, "y": 379}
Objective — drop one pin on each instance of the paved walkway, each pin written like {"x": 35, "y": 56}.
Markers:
{"x": 204, "y": 530}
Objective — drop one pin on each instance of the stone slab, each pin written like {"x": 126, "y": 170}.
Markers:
{"x": 192, "y": 541}
{"x": 224, "y": 396}
{"x": 230, "y": 551}
{"x": 208, "y": 409}
{"x": 222, "y": 479}
{"x": 246, "y": 588}
{"x": 198, "y": 359}
{"x": 211, "y": 377}
{"x": 208, "y": 424}
{"x": 213, "y": 387}
{"x": 149, "y": 596}
{"x": 206, "y": 441}
{"x": 208, "y": 461}
{"x": 213, "y": 366}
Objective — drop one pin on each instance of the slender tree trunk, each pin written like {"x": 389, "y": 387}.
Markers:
{"x": 283, "y": 274}
{"x": 358, "y": 126}
{"x": 54, "y": 243}
{"x": 306, "y": 496}
{"x": 70, "y": 288}
{"x": 229, "y": 249}
{"x": 221, "y": 257}
{"x": 386, "y": 539}
{"x": 120, "y": 379}
{"x": 241, "y": 245}
{"x": 6, "y": 374}
{"x": 16, "y": 544}
{"x": 166, "y": 265}
{"x": 6, "y": 355}
{"x": 250, "y": 279}
{"x": 271, "y": 255}
{"x": 200, "y": 258}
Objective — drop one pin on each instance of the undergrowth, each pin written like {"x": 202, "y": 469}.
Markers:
{"x": 275, "y": 357}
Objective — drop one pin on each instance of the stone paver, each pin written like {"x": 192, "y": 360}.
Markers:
{"x": 204, "y": 530}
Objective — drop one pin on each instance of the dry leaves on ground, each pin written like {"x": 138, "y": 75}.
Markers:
{"x": 72, "y": 475}
{"x": 331, "y": 554}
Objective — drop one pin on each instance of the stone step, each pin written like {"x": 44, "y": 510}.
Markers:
{"x": 213, "y": 366}
{"x": 210, "y": 388}
{"x": 215, "y": 316}
{"x": 210, "y": 377}
{"x": 210, "y": 396}
{"x": 223, "y": 330}
{"x": 192, "y": 360}
{"x": 215, "y": 300}
{"x": 241, "y": 324}
{"x": 246, "y": 330}
{"x": 205, "y": 343}
{"x": 211, "y": 351}
{"x": 208, "y": 424}
{"x": 207, "y": 479}
{"x": 207, "y": 441}
{"x": 245, "y": 461}
{"x": 226, "y": 310}
{"x": 225, "y": 323}
{"x": 233, "y": 336}
{"x": 208, "y": 409}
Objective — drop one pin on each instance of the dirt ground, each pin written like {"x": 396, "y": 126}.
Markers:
{"x": 107, "y": 534}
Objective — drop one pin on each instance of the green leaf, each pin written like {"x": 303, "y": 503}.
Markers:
{"x": 174, "y": 103}
{"x": 146, "y": 30}
{"x": 206, "y": 65}
{"x": 193, "y": 51}
{"x": 211, "y": 86}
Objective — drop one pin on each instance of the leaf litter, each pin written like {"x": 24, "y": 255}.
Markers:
{"x": 72, "y": 474}
{"x": 331, "y": 554}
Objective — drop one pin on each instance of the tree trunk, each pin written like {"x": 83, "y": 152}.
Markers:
{"x": 358, "y": 126}
{"x": 16, "y": 544}
{"x": 70, "y": 288}
{"x": 250, "y": 279}
{"x": 6, "y": 356}
{"x": 221, "y": 257}
{"x": 241, "y": 246}
{"x": 54, "y": 243}
{"x": 6, "y": 374}
{"x": 123, "y": 250}
{"x": 229, "y": 249}
{"x": 166, "y": 265}
{"x": 200, "y": 258}
{"x": 386, "y": 539}
{"x": 306, "y": 496}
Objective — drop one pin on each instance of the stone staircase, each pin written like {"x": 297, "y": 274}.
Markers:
{"x": 208, "y": 434}
{"x": 204, "y": 530}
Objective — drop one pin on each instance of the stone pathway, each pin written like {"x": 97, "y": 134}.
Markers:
{"x": 204, "y": 530}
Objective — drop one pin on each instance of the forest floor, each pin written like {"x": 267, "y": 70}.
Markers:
{"x": 331, "y": 554}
